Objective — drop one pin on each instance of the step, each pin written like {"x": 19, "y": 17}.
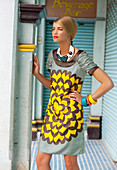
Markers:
{"x": 95, "y": 118}
{"x": 93, "y": 130}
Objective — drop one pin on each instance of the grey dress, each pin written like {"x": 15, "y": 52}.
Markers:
{"x": 62, "y": 131}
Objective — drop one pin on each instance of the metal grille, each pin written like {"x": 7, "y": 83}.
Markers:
{"x": 111, "y": 14}
{"x": 109, "y": 119}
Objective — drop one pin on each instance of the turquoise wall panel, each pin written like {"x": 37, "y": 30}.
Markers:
{"x": 109, "y": 112}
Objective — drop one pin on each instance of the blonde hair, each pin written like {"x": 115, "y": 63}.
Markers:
{"x": 69, "y": 24}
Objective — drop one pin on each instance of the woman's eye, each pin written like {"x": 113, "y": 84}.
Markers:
{"x": 60, "y": 29}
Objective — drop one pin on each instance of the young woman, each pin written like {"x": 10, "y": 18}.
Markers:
{"x": 62, "y": 131}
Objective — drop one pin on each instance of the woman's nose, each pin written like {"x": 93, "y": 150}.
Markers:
{"x": 55, "y": 31}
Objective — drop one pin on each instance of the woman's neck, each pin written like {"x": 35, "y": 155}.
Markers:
{"x": 64, "y": 47}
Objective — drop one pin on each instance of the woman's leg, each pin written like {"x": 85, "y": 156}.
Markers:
{"x": 43, "y": 161}
{"x": 71, "y": 162}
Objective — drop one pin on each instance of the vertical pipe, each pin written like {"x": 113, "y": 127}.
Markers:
{"x": 41, "y": 55}
{"x": 34, "y": 79}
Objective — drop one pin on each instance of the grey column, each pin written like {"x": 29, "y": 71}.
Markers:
{"x": 41, "y": 56}
{"x": 23, "y": 116}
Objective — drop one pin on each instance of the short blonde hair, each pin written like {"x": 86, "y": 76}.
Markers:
{"x": 69, "y": 24}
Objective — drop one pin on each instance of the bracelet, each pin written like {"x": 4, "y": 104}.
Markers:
{"x": 88, "y": 102}
{"x": 84, "y": 101}
{"x": 91, "y": 100}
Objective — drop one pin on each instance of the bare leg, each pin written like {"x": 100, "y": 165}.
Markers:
{"x": 43, "y": 161}
{"x": 71, "y": 162}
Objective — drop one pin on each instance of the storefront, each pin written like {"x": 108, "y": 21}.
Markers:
{"x": 17, "y": 81}
{"x": 85, "y": 15}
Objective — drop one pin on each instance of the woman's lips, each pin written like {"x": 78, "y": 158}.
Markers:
{"x": 55, "y": 37}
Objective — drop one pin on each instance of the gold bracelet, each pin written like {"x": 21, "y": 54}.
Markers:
{"x": 92, "y": 100}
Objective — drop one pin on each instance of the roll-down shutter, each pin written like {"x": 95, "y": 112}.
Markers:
{"x": 83, "y": 41}
{"x": 109, "y": 119}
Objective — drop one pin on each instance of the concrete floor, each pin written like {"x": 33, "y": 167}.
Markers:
{"x": 95, "y": 158}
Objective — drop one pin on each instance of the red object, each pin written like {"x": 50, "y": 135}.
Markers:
{"x": 55, "y": 37}
{"x": 88, "y": 102}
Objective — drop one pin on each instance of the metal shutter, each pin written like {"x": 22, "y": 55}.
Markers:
{"x": 109, "y": 118}
{"x": 83, "y": 41}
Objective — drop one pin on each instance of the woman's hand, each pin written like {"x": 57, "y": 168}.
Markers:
{"x": 36, "y": 65}
{"x": 74, "y": 95}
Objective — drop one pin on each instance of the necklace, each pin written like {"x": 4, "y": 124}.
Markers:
{"x": 66, "y": 57}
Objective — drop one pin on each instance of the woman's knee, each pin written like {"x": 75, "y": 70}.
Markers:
{"x": 71, "y": 162}
{"x": 69, "y": 165}
{"x": 42, "y": 159}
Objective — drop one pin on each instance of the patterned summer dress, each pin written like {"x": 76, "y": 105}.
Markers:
{"x": 62, "y": 131}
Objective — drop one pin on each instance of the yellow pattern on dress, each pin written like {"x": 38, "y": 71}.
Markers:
{"x": 64, "y": 117}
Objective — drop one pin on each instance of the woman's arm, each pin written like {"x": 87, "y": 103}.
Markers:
{"x": 46, "y": 82}
{"x": 36, "y": 66}
{"x": 106, "y": 83}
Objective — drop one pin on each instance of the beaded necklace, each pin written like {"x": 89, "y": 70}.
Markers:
{"x": 66, "y": 57}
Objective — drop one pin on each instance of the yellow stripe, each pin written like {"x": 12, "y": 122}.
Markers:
{"x": 94, "y": 118}
{"x": 39, "y": 121}
{"x": 34, "y": 129}
{"x": 92, "y": 125}
{"x": 34, "y": 122}
{"x": 39, "y": 128}
{"x": 30, "y": 50}
{"x": 27, "y": 47}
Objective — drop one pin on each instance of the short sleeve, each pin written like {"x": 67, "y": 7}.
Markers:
{"x": 86, "y": 63}
{"x": 49, "y": 61}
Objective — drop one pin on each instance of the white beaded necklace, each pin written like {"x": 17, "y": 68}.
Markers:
{"x": 68, "y": 56}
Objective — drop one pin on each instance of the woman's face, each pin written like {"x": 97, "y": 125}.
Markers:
{"x": 58, "y": 33}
